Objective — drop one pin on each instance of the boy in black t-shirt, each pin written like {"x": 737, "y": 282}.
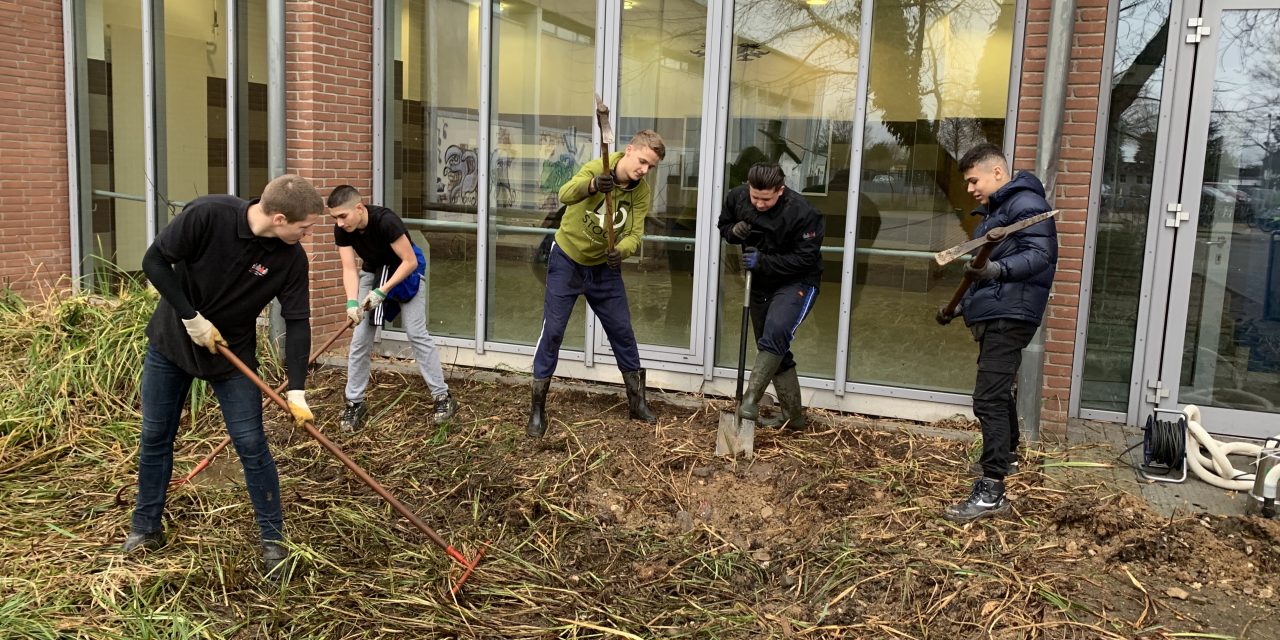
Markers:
{"x": 377, "y": 235}
{"x": 216, "y": 266}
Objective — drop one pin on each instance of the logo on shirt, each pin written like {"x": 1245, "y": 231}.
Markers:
{"x": 594, "y": 220}
{"x": 809, "y": 235}
{"x": 258, "y": 270}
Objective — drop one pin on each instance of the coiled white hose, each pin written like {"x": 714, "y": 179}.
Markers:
{"x": 1215, "y": 468}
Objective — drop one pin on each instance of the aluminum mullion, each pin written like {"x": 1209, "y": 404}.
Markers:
{"x": 277, "y": 122}
{"x": 232, "y": 83}
{"x": 485, "y": 117}
{"x": 848, "y": 264}
{"x": 76, "y": 89}
{"x": 152, "y": 110}
{"x": 717, "y": 87}
{"x": 380, "y": 112}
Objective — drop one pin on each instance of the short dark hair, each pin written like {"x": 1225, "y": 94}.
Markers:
{"x": 984, "y": 152}
{"x": 342, "y": 196}
{"x": 766, "y": 176}
{"x": 292, "y": 196}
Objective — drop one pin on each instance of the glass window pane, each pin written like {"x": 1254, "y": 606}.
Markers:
{"x": 660, "y": 83}
{"x": 252, "y": 128}
{"x": 1128, "y": 166}
{"x": 195, "y": 101}
{"x": 1232, "y": 353}
{"x": 938, "y": 85}
{"x": 793, "y": 85}
{"x": 114, "y": 51}
{"x": 543, "y": 98}
{"x": 434, "y": 127}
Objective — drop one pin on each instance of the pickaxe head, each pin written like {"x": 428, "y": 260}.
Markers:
{"x": 991, "y": 237}
{"x": 602, "y": 118}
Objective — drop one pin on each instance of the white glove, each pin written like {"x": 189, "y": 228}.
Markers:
{"x": 203, "y": 333}
{"x": 354, "y": 313}
{"x": 298, "y": 407}
{"x": 372, "y": 300}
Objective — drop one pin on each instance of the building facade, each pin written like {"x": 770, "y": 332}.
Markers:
{"x": 465, "y": 116}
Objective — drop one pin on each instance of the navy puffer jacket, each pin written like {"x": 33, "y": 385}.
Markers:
{"x": 1028, "y": 259}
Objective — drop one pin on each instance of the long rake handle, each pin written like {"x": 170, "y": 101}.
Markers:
{"x": 204, "y": 464}
{"x": 350, "y": 464}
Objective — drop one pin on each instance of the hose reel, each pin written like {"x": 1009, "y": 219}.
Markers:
{"x": 1164, "y": 446}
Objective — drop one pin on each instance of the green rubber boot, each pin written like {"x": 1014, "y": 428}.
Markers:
{"x": 766, "y": 365}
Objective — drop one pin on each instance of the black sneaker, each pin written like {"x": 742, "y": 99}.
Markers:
{"x": 986, "y": 499}
{"x": 352, "y": 416}
{"x": 143, "y": 541}
{"x": 446, "y": 406}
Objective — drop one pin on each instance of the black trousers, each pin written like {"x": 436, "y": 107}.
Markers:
{"x": 776, "y": 314}
{"x": 1000, "y": 345}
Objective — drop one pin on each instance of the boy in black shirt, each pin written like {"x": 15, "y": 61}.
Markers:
{"x": 216, "y": 266}
{"x": 378, "y": 236}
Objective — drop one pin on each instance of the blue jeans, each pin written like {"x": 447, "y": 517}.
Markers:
{"x": 605, "y": 293}
{"x": 164, "y": 392}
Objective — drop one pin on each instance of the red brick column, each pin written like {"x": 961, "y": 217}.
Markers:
{"x": 1072, "y": 190}
{"x": 35, "y": 226}
{"x": 329, "y": 66}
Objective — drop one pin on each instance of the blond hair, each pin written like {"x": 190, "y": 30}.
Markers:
{"x": 293, "y": 196}
{"x": 650, "y": 139}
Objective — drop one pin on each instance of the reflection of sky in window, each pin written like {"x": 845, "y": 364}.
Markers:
{"x": 1247, "y": 84}
{"x": 1139, "y": 21}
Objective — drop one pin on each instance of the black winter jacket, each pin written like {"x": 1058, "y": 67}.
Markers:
{"x": 1027, "y": 260}
{"x": 788, "y": 237}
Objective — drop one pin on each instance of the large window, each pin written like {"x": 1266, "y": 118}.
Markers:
{"x": 660, "y": 82}
{"x": 435, "y": 134}
{"x": 543, "y": 83}
{"x": 938, "y": 85}
{"x": 113, "y": 47}
{"x": 1128, "y": 169}
{"x": 792, "y": 94}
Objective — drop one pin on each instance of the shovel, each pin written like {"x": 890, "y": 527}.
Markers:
{"x": 737, "y": 435}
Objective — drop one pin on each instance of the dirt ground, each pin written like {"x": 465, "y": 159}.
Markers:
{"x": 835, "y": 532}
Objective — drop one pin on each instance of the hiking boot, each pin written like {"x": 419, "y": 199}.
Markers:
{"x": 274, "y": 554}
{"x": 766, "y": 365}
{"x": 446, "y": 406}
{"x": 635, "y": 396}
{"x": 538, "y": 411}
{"x": 986, "y": 499}
{"x": 352, "y": 416}
{"x": 135, "y": 541}
{"x": 1014, "y": 466}
{"x": 787, "y": 384}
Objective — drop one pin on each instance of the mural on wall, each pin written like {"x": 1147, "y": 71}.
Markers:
{"x": 562, "y": 152}
{"x": 456, "y": 156}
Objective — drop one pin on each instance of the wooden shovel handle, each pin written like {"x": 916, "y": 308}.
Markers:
{"x": 608, "y": 197}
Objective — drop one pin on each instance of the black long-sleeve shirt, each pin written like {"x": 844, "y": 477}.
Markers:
{"x": 788, "y": 236}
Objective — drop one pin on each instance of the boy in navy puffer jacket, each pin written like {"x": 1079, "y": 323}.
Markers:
{"x": 1003, "y": 308}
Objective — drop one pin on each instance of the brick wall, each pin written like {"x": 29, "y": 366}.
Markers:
{"x": 329, "y": 62}
{"x": 35, "y": 228}
{"x": 1072, "y": 189}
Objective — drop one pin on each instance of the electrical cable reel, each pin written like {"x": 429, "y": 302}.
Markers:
{"x": 1164, "y": 446}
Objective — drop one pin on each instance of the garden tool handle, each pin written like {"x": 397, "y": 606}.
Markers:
{"x": 977, "y": 261}
{"x": 350, "y": 464}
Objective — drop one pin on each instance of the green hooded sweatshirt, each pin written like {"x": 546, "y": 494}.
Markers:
{"x": 581, "y": 235}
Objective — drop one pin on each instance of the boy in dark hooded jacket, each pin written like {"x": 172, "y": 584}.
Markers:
{"x": 1003, "y": 308}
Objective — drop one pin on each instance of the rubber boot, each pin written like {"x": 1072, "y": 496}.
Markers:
{"x": 538, "y": 411}
{"x": 787, "y": 384}
{"x": 635, "y": 396}
{"x": 274, "y": 554}
{"x": 766, "y": 365}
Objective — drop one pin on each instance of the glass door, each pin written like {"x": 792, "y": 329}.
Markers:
{"x": 1222, "y": 331}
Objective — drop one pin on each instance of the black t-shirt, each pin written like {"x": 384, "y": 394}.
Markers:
{"x": 373, "y": 242}
{"x": 229, "y": 275}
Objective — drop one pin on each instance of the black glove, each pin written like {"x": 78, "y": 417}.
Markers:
{"x": 943, "y": 317}
{"x": 750, "y": 258}
{"x": 603, "y": 183}
{"x": 988, "y": 271}
{"x": 613, "y": 258}
{"x": 741, "y": 230}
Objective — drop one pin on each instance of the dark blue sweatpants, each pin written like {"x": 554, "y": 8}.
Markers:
{"x": 602, "y": 286}
{"x": 775, "y": 316}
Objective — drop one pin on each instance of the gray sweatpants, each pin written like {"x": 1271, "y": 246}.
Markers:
{"x": 413, "y": 317}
